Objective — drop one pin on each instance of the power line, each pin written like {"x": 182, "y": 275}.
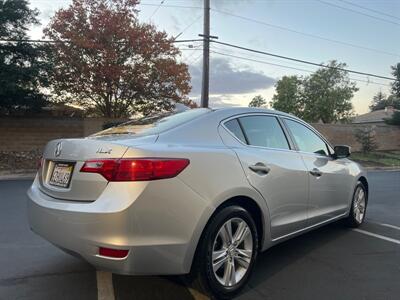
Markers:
{"x": 195, "y": 50}
{"x": 261, "y": 61}
{"x": 370, "y": 9}
{"x": 188, "y": 41}
{"x": 358, "y": 12}
{"x": 157, "y": 8}
{"x": 187, "y": 27}
{"x": 54, "y": 41}
{"x": 187, "y": 49}
{"x": 30, "y": 41}
{"x": 229, "y": 45}
{"x": 171, "y": 6}
{"x": 192, "y": 62}
{"x": 306, "y": 34}
{"x": 302, "y": 61}
{"x": 255, "y": 56}
{"x": 289, "y": 67}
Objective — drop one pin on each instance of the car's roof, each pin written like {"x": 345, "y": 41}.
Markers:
{"x": 204, "y": 129}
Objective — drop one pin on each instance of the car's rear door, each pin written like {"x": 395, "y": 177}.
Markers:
{"x": 329, "y": 178}
{"x": 274, "y": 169}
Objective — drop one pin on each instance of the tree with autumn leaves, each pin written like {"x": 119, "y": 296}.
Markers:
{"x": 107, "y": 61}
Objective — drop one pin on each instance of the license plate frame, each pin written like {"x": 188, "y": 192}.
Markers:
{"x": 61, "y": 174}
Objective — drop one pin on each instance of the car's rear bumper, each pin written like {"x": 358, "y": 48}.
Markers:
{"x": 158, "y": 226}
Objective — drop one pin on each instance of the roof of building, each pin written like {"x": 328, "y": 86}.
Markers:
{"x": 377, "y": 116}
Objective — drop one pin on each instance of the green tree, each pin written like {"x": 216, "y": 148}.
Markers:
{"x": 112, "y": 63}
{"x": 395, "y": 119}
{"x": 23, "y": 68}
{"x": 287, "y": 96}
{"x": 257, "y": 101}
{"x": 396, "y": 83}
{"x": 327, "y": 94}
{"x": 323, "y": 96}
{"x": 379, "y": 101}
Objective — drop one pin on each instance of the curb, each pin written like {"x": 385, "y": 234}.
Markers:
{"x": 394, "y": 169}
{"x": 18, "y": 176}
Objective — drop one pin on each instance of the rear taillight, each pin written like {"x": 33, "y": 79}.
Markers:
{"x": 142, "y": 169}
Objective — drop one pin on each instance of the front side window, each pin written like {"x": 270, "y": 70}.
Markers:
{"x": 264, "y": 131}
{"x": 306, "y": 139}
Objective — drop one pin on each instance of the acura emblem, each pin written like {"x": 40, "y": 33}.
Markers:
{"x": 57, "y": 152}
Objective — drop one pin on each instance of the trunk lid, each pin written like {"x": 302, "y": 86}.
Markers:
{"x": 67, "y": 156}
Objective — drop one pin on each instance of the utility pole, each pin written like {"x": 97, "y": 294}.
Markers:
{"x": 206, "y": 55}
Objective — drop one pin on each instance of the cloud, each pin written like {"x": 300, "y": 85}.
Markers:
{"x": 227, "y": 5}
{"x": 226, "y": 79}
{"x": 219, "y": 101}
{"x": 222, "y": 101}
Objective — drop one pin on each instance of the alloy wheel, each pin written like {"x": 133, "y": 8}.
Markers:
{"x": 359, "y": 205}
{"x": 232, "y": 252}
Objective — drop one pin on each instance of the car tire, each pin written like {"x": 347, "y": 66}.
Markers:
{"x": 219, "y": 254}
{"x": 358, "y": 207}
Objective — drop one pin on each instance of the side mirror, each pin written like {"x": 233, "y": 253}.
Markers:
{"x": 341, "y": 151}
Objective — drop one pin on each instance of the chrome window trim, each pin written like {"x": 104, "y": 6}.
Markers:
{"x": 276, "y": 116}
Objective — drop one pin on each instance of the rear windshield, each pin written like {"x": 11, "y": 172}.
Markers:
{"x": 154, "y": 124}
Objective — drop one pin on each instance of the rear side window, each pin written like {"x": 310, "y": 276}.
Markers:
{"x": 234, "y": 127}
{"x": 306, "y": 139}
{"x": 262, "y": 131}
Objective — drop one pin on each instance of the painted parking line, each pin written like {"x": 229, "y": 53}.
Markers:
{"x": 196, "y": 294}
{"x": 390, "y": 226}
{"x": 105, "y": 289}
{"x": 382, "y": 237}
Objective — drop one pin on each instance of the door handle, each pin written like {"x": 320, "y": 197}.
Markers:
{"x": 260, "y": 168}
{"x": 315, "y": 172}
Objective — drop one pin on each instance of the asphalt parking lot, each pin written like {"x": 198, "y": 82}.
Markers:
{"x": 330, "y": 263}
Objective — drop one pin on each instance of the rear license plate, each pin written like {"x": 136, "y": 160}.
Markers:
{"x": 61, "y": 175}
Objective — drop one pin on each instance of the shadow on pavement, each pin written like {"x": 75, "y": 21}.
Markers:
{"x": 282, "y": 255}
{"x": 272, "y": 261}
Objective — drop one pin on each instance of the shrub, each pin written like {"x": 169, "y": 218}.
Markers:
{"x": 112, "y": 124}
{"x": 366, "y": 137}
{"x": 395, "y": 119}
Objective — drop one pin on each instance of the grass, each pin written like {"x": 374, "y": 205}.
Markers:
{"x": 377, "y": 158}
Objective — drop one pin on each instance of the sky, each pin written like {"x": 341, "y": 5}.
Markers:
{"x": 361, "y": 33}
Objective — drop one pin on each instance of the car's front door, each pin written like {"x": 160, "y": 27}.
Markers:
{"x": 274, "y": 169}
{"x": 329, "y": 178}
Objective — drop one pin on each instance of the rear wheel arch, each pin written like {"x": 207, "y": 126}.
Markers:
{"x": 246, "y": 203}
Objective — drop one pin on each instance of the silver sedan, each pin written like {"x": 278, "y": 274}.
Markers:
{"x": 200, "y": 192}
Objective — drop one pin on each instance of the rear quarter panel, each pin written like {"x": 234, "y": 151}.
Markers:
{"x": 214, "y": 174}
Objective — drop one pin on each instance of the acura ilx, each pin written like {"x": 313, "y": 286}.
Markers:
{"x": 200, "y": 192}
